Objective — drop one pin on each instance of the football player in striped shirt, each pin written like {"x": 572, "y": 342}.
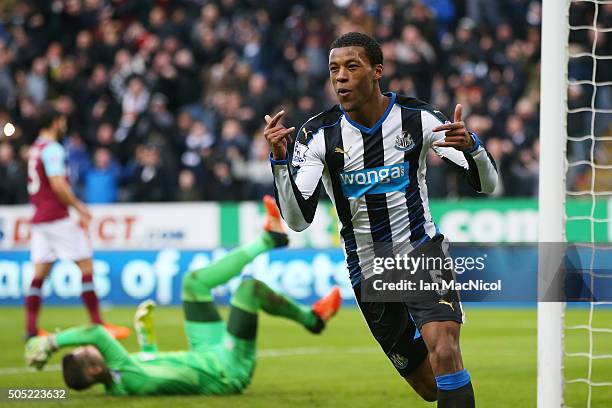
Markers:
{"x": 369, "y": 153}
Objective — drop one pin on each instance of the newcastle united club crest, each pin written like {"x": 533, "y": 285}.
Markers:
{"x": 400, "y": 362}
{"x": 404, "y": 142}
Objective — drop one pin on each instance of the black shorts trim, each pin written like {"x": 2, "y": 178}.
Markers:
{"x": 435, "y": 312}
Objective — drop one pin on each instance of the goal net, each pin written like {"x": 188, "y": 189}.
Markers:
{"x": 575, "y": 339}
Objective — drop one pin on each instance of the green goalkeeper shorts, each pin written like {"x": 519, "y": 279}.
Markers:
{"x": 236, "y": 356}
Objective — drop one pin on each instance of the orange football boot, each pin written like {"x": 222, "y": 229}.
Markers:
{"x": 273, "y": 224}
{"x": 325, "y": 308}
{"x": 118, "y": 332}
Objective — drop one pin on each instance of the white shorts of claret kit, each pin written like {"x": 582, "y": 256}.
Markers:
{"x": 61, "y": 239}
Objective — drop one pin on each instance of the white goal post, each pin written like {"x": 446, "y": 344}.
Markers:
{"x": 559, "y": 363}
{"x": 551, "y": 224}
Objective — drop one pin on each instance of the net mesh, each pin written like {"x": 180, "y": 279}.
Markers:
{"x": 588, "y": 327}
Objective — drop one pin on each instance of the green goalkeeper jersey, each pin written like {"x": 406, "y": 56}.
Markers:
{"x": 224, "y": 368}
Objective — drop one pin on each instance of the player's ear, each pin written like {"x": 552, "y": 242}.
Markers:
{"x": 378, "y": 70}
{"x": 95, "y": 369}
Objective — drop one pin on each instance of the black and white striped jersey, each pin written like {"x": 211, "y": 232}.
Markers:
{"x": 375, "y": 176}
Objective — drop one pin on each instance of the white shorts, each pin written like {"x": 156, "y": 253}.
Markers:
{"x": 61, "y": 239}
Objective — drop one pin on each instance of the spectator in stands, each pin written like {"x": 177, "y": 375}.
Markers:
{"x": 77, "y": 159}
{"x": 136, "y": 99}
{"x": 13, "y": 176}
{"x": 102, "y": 178}
{"x": 197, "y": 146}
{"x": 523, "y": 175}
{"x": 255, "y": 172}
{"x": 156, "y": 119}
{"x": 37, "y": 85}
{"x": 234, "y": 142}
{"x": 7, "y": 88}
{"x": 150, "y": 182}
{"x": 26, "y": 119}
{"x": 221, "y": 184}
{"x": 187, "y": 188}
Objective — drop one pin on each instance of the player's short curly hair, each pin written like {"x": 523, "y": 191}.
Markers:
{"x": 369, "y": 44}
{"x": 47, "y": 114}
{"x": 73, "y": 369}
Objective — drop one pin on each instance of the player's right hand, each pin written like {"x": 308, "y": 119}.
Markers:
{"x": 277, "y": 135}
{"x": 84, "y": 217}
{"x": 38, "y": 350}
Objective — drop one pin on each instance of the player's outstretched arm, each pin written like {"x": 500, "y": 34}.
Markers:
{"x": 39, "y": 349}
{"x": 296, "y": 184}
{"x": 462, "y": 149}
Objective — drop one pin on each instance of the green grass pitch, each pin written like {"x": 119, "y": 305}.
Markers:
{"x": 342, "y": 367}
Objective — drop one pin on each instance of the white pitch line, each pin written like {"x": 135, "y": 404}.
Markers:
{"x": 303, "y": 351}
{"x": 265, "y": 353}
{"x": 26, "y": 370}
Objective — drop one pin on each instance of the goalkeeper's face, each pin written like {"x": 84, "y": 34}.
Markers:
{"x": 354, "y": 78}
{"x": 84, "y": 367}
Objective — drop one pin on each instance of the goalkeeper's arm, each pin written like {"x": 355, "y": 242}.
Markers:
{"x": 39, "y": 349}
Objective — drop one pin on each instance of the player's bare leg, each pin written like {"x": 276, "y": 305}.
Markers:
{"x": 442, "y": 340}
{"x": 453, "y": 381}
{"x": 88, "y": 295}
{"x": 34, "y": 299}
{"x": 90, "y": 300}
{"x": 423, "y": 382}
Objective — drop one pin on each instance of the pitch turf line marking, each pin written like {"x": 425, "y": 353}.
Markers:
{"x": 265, "y": 353}
{"x": 303, "y": 351}
{"x": 26, "y": 370}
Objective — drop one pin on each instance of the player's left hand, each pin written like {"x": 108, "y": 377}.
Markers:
{"x": 38, "y": 350}
{"x": 456, "y": 134}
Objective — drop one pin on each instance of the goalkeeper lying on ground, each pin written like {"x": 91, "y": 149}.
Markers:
{"x": 221, "y": 358}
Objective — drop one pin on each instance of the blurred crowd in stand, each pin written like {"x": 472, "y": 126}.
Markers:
{"x": 165, "y": 99}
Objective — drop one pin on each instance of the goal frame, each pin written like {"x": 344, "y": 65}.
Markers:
{"x": 551, "y": 200}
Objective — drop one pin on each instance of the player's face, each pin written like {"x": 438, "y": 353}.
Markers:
{"x": 59, "y": 126}
{"x": 62, "y": 125}
{"x": 92, "y": 362}
{"x": 352, "y": 76}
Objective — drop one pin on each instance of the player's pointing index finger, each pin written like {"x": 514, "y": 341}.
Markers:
{"x": 273, "y": 121}
{"x": 458, "y": 110}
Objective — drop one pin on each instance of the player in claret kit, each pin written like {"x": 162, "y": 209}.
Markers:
{"x": 54, "y": 234}
{"x": 221, "y": 357}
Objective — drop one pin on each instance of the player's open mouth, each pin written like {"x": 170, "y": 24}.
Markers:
{"x": 343, "y": 92}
